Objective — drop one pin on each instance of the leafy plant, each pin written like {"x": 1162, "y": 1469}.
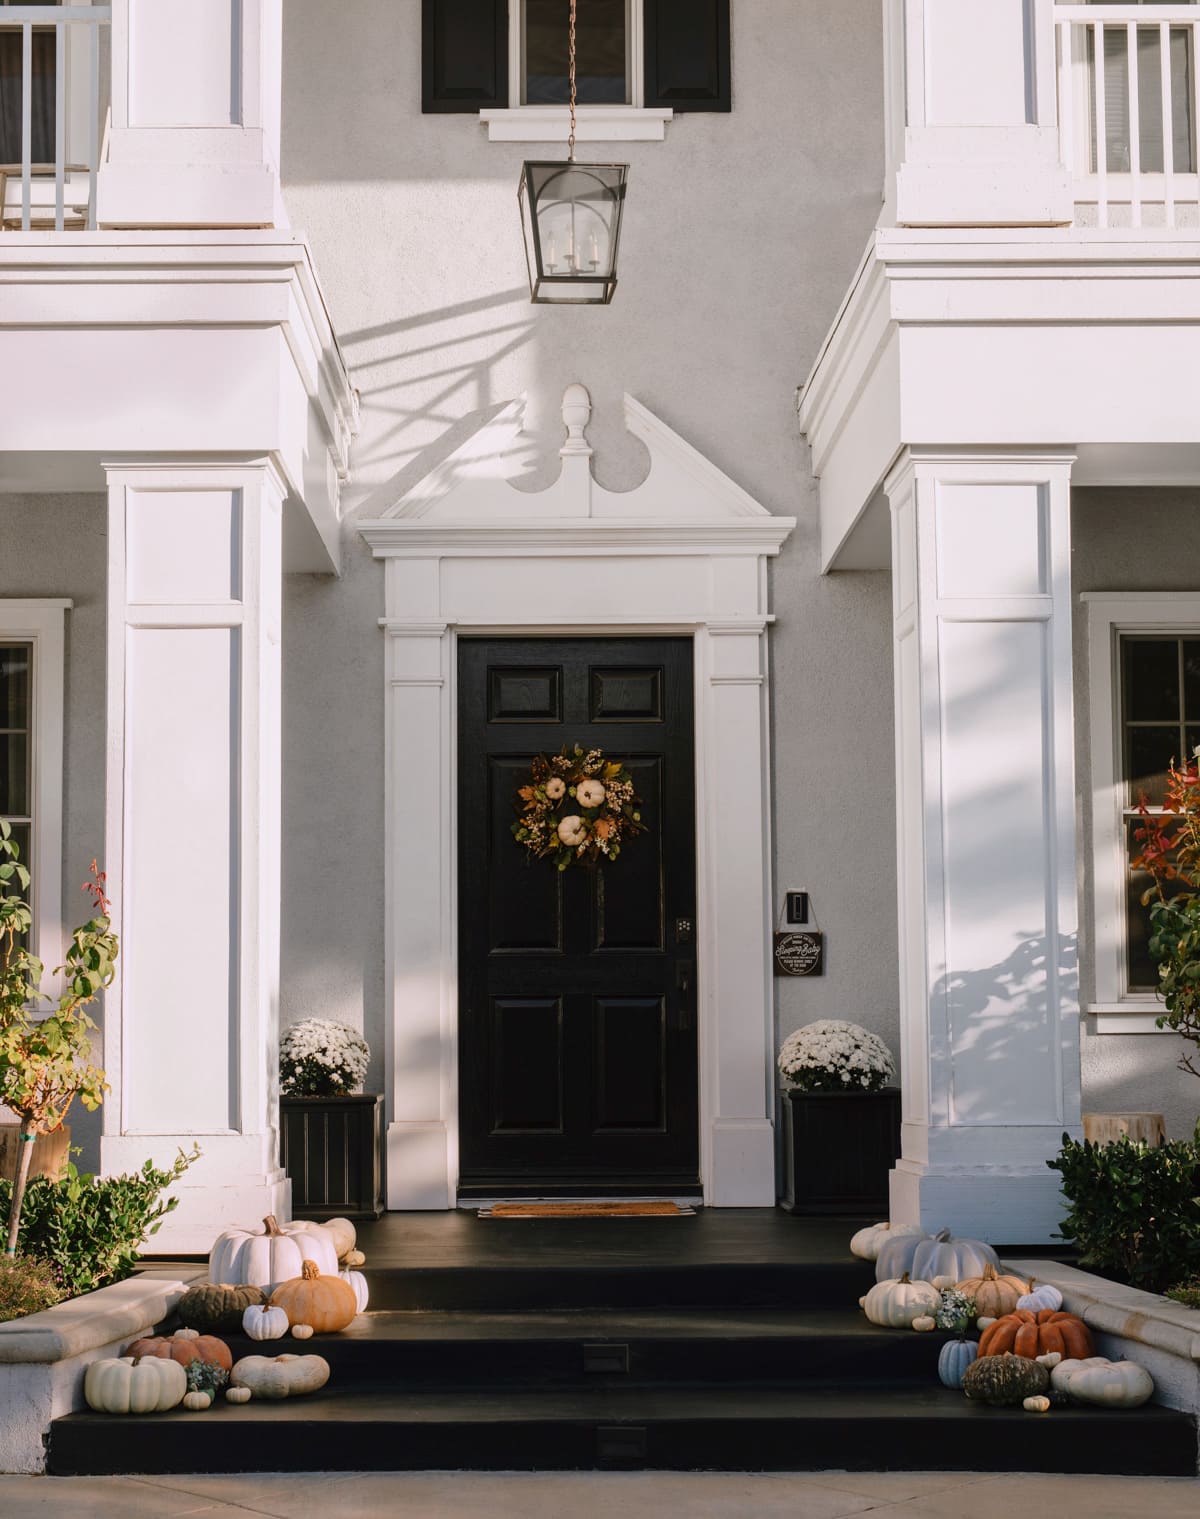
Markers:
{"x": 1135, "y": 1208}
{"x": 90, "y": 1228}
{"x": 45, "y": 1059}
{"x": 1170, "y": 854}
{"x": 1187, "y": 1293}
{"x": 204, "y": 1376}
{"x": 27, "y": 1286}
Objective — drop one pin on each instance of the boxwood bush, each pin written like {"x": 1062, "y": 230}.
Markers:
{"x": 1135, "y": 1208}
{"x": 89, "y": 1229}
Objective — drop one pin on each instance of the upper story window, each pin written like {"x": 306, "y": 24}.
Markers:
{"x": 637, "y": 62}
{"x": 1144, "y": 668}
{"x": 42, "y": 93}
{"x": 31, "y": 754}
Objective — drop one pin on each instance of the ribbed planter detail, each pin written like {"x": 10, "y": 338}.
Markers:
{"x": 330, "y": 1147}
{"x": 838, "y": 1150}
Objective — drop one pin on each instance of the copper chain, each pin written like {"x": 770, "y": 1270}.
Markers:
{"x": 571, "y": 75}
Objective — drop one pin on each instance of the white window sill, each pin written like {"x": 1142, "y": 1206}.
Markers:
{"x": 593, "y": 123}
{"x": 1132, "y": 1016}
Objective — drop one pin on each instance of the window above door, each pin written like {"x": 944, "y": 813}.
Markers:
{"x": 639, "y": 62}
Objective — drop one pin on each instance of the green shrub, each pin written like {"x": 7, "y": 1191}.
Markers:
{"x": 1187, "y": 1293}
{"x": 90, "y": 1228}
{"x": 26, "y": 1286}
{"x": 1135, "y": 1209}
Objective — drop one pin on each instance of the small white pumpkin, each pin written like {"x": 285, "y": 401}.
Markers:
{"x": 121, "y": 1386}
{"x": 1043, "y": 1295}
{"x": 238, "y": 1394}
{"x": 983, "y": 1322}
{"x": 924, "y": 1323}
{"x": 1050, "y": 1360}
{"x": 358, "y": 1281}
{"x": 1108, "y": 1384}
{"x": 284, "y": 1376}
{"x": 354, "y": 1258}
{"x": 942, "y": 1283}
{"x": 262, "y": 1322}
{"x": 1039, "y": 1404}
{"x": 186, "y": 1334}
{"x": 302, "y": 1331}
{"x": 867, "y": 1242}
{"x": 197, "y": 1402}
{"x": 895, "y": 1304}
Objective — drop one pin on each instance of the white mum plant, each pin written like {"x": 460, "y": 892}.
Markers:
{"x": 318, "y": 1058}
{"x": 833, "y": 1056}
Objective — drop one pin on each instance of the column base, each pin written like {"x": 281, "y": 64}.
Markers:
{"x": 741, "y": 1164}
{"x": 232, "y": 1185}
{"x": 1014, "y": 1206}
{"x": 418, "y": 1169}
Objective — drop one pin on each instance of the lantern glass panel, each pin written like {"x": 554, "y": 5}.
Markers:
{"x": 572, "y": 218}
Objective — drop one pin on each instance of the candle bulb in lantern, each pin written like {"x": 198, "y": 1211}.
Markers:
{"x": 593, "y": 251}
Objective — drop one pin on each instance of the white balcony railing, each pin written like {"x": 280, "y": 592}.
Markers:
{"x": 53, "y": 60}
{"x": 1128, "y": 103}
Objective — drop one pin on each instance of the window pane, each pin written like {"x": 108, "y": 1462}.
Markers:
{"x": 1148, "y": 753}
{"x": 1143, "y": 974}
{"x": 14, "y": 686}
{"x": 1151, "y": 679}
{"x": 1191, "y": 679}
{"x": 41, "y": 115}
{"x": 599, "y": 52}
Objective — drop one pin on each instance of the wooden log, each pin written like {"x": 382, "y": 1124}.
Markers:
{"x": 50, "y": 1152}
{"x": 1142, "y": 1128}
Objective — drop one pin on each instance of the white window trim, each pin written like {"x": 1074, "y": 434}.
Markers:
{"x": 1111, "y": 614}
{"x": 634, "y": 122}
{"x": 42, "y": 623}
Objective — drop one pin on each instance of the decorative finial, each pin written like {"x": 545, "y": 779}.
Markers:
{"x": 576, "y": 413}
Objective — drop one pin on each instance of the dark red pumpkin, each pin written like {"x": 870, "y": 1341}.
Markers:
{"x": 184, "y": 1348}
{"x": 1025, "y": 1333}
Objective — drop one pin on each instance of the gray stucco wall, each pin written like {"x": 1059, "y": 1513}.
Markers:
{"x": 1127, "y": 540}
{"x": 741, "y": 233}
{"x": 55, "y": 546}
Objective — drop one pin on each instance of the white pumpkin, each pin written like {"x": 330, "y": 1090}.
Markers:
{"x": 123, "y": 1386}
{"x": 277, "y": 1377}
{"x": 1106, "y": 1384}
{"x": 1040, "y": 1404}
{"x": 238, "y": 1394}
{"x": 358, "y": 1281}
{"x": 262, "y": 1322}
{"x": 302, "y": 1331}
{"x": 925, "y": 1323}
{"x": 895, "y": 1304}
{"x": 1041, "y": 1295}
{"x": 896, "y": 1255}
{"x": 943, "y": 1255}
{"x": 1061, "y": 1374}
{"x": 243, "y": 1256}
{"x": 866, "y": 1243}
{"x": 197, "y": 1402}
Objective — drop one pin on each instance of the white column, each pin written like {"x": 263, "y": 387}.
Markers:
{"x": 972, "y": 136}
{"x": 421, "y": 1016}
{"x": 193, "y": 835}
{"x": 986, "y": 840}
{"x": 194, "y": 133}
{"x": 737, "y": 1055}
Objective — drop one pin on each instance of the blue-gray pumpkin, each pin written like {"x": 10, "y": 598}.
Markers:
{"x": 956, "y": 1356}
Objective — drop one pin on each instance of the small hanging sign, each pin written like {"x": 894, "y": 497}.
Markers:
{"x": 798, "y": 954}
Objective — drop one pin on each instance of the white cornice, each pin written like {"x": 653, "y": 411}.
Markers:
{"x": 393, "y": 537}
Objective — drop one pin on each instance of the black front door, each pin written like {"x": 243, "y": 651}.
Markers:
{"x": 577, "y": 988}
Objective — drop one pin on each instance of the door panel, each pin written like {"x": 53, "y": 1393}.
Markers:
{"x": 577, "y": 1043}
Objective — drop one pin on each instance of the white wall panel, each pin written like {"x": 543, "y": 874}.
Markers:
{"x": 163, "y": 33}
{"x": 184, "y": 547}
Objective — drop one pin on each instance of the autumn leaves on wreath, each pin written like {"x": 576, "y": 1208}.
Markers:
{"x": 577, "y": 805}
{"x": 46, "y": 1056}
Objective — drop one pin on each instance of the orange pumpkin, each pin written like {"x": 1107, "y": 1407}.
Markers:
{"x": 994, "y": 1294}
{"x": 325, "y": 1302}
{"x": 183, "y": 1348}
{"x": 1033, "y": 1334}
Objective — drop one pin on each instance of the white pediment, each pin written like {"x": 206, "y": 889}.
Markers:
{"x": 474, "y": 485}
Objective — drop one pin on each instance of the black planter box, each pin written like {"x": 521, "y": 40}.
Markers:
{"x": 330, "y": 1147}
{"x": 838, "y": 1148}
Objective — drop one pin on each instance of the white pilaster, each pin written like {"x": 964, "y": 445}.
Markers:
{"x": 196, "y": 99}
{"x": 193, "y": 834}
{"x": 972, "y": 136}
{"x": 986, "y": 839}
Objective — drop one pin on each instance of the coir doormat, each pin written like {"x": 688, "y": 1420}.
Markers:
{"x": 587, "y": 1210}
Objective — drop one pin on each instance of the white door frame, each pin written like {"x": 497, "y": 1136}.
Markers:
{"x": 684, "y": 554}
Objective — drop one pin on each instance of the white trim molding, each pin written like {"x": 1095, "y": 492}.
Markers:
{"x": 685, "y": 552}
{"x": 42, "y": 623}
{"x": 1110, "y": 614}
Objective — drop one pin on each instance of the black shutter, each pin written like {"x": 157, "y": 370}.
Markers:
{"x": 687, "y": 54}
{"x": 464, "y": 55}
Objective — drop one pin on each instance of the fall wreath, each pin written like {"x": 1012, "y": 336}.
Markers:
{"x": 576, "y": 805}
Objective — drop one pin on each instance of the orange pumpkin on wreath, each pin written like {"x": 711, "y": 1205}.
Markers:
{"x": 1034, "y": 1334}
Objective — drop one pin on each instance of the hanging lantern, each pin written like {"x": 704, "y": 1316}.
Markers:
{"x": 571, "y": 218}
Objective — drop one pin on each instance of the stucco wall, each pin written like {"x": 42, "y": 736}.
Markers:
{"x": 740, "y": 235}
{"x": 1127, "y": 540}
{"x": 55, "y": 546}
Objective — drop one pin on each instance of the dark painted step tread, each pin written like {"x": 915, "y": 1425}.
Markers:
{"x": 637, "y": 1404}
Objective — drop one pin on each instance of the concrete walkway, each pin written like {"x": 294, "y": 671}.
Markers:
{"x": 613, "y": 1495}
